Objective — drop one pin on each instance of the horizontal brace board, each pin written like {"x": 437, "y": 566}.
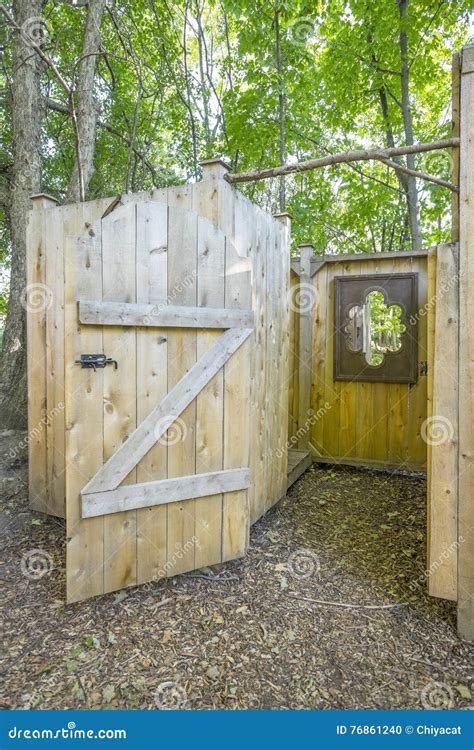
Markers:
{"x": 146, "y": 494}
{"x": 161, "y": 315}
{"x": 168, "y": 410}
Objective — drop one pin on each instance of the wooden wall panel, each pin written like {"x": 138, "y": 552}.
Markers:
{"x": 376, "y": 424}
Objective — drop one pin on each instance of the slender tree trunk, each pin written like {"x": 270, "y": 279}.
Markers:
{"x": 87, "y": 108}
{"x": 27, "y": 115}
{"x": 412, "y": 193}
{"x": 281, "y": 108}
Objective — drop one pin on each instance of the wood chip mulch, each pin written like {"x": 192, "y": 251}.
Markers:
{"x": 328, "y": 609}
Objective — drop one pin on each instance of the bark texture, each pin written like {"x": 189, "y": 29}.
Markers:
{"x": 87, "y": 108}
{"x": 26, "y": 111}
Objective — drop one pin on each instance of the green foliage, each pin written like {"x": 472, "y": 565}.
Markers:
{"x": 188, "y": 80}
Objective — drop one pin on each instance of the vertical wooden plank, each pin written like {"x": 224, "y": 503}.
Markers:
{"x": 306, "y": 299}
{"x": 152, "y": 381}
{"x": 320, "y": 333}
{"x": 37, "y": 298}
{"x": 331, "y": 388}
{"x": 210, "y": 402}
{"x": 466, "y": 351}
{"x": 417, "y": 448}
{"x": 258, "y": 449}
{"x": 292, "y": 422}
{"x": 84, "y": 399}
{"x": 238, "y": 294}
{"x": 442, "y": 432}
{"x": 283, "y": 261}
{"x": 350, "y": 401}
{"x": 182, "y": 343}
{"x": 120, "y": 387}
{"x": 430, "y": 325}
{"x": 55, "y": 425}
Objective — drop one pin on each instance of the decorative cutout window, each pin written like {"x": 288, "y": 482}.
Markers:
{"x": 376, "y": 328}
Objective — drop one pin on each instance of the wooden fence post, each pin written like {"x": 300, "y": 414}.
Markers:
{"x": 305, "y": 305}
{"x": 466, "y": 351}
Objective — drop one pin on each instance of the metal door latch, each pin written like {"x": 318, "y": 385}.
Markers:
{"x": 93, "y": 361}
{"x": 423, "y": 368}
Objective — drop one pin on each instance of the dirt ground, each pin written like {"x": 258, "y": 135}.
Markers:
{"x": 272, "y": 630}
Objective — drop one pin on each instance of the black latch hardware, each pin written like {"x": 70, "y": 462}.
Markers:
{"x": 93, "y": 361}
{"x": 423, "y": 368}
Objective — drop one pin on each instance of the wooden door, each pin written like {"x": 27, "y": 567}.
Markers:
{"x": 157, "y": 469}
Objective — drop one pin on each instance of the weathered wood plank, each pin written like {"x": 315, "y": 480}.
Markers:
{"x": 143, "y": 494}
{"x": 210, "y": 402}
{"x": 84, "y": 400}
{"x": 238, "y": 295}
{"x": 442, "y": 432}
{"x": 120, "y": 387}
{"x": 466, "y": 352}
{"x": 306, "y": 300}
{"x": 161, "y": 315}
{"x": 152, "y": 383}
{"x": 182, "y": 356}
{"x": 36, "y": 291}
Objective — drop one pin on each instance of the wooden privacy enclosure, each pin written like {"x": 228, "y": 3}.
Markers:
{"x": 160, "y": 458}
{"x": 177, "y": 375}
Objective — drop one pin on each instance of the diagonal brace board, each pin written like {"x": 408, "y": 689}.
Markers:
{"x": 162, "y": 315}
{"x": 168, "y": 410}
{"x": 146, "y": 494}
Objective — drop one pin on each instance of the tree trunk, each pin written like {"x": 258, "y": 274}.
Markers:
{"x": 87, "y": 108}
{"x": 27, "y": 115}
{"x": 411, "y": 190}
{"x": 281, "y": 109}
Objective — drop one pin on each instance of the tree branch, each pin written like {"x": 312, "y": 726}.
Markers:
{"x": 378, "y": 154}
{"x": 420, "y": 175}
